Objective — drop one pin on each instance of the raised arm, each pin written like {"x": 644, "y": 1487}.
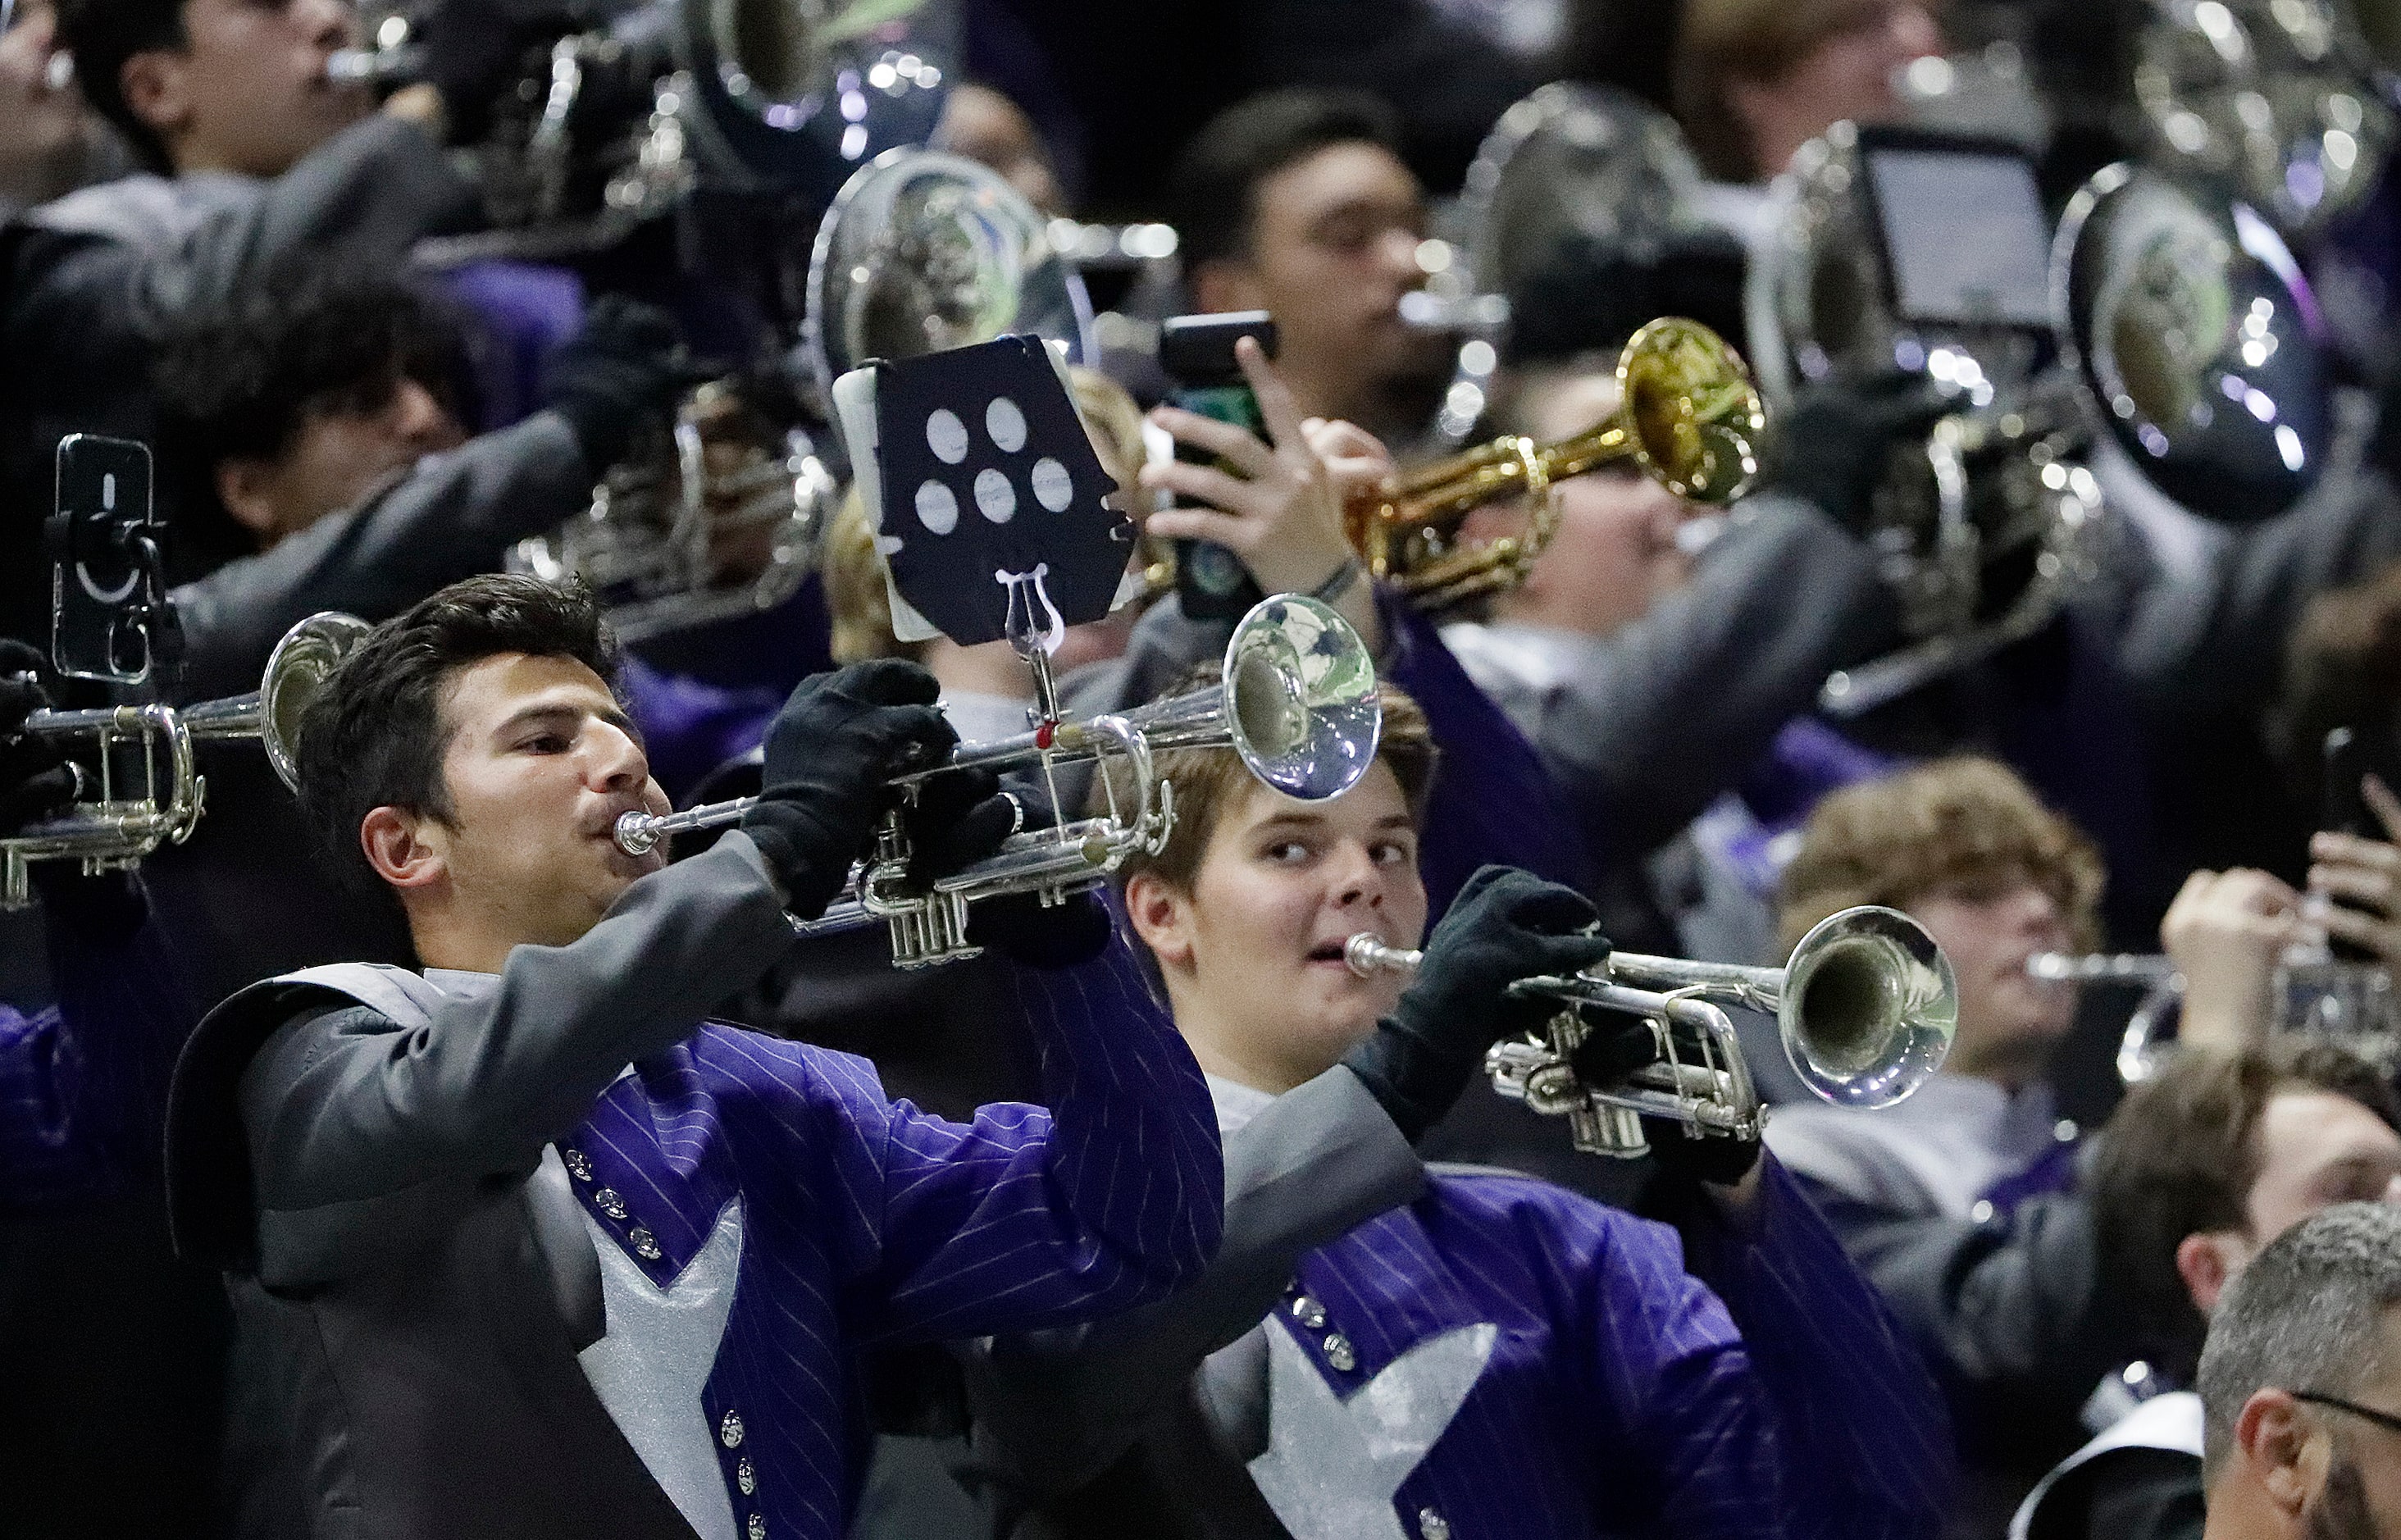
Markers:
{"x": 366, "y": 1135}
{"x": 449, "y": 517}
{"x": 1025, "y": 1219}
{"x": 1862, "y": 1422}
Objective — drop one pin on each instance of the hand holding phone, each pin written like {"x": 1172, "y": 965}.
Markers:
{"x": 2355, "y": 855}
{"x": 1198, "y": 353}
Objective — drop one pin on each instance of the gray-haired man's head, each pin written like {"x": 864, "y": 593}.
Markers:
{"x": 2306, "y": 1346}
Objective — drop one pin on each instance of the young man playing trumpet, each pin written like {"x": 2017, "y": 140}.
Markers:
{"x": 1384, "y": 1351}
{"x": 524, "y": 1246}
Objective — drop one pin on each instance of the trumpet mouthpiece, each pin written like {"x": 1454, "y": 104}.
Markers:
{"x": 1366, "y": 955}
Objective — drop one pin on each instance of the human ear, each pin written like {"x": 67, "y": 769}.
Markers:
{"x": 406, "y": 849}
{"x": 2207, "y": 1263}
{"x": 157, "y": 86}
{"x": 243, "y": 487}
{"x": 2273, "y": 1438}
{"x": 1162, "y": 917}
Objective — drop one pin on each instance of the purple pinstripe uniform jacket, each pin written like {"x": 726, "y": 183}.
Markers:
{"x": 864, "y": 1222}
{"x": 1577, "y": 1380}
{"x": 82, "y": 1084}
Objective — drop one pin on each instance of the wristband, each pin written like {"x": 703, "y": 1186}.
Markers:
{"x": 1334, "y": 587}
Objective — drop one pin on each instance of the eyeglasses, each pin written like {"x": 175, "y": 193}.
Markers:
{"x": 2386, "y": 1420}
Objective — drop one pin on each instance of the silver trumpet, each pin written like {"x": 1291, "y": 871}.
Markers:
{"x": 2310, "y": 992}
{"x": 1298, "y": 704}
{"x": 1866, "y": 1007}
{"x": 123, "y": 823}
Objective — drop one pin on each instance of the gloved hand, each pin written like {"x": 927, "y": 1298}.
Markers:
{"x": 1504, "y": 926}
{"x": 1708, "y": 1157}
{"x": 1833, "y": 447}
{"x": 830, "y": 755}
{"x": 34, "y": 779}
{"x": 616, "y": 374}
{"x": 959, "y": 817}
{"x": 473, "y": 51}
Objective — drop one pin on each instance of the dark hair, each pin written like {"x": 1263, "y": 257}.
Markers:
{"x": 240, "y": 379}
{"x": 373, "y": 735}
{"x": 102, "y": 34}
{"x": 1216, "y": 180}
{"x": 2180, "y": 1158}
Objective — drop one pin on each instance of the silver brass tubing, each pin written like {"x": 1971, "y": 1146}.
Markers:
{"x": 1368, "y": 955}
{"x": 2103, "y": 968}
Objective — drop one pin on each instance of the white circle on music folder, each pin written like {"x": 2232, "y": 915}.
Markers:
{"x": 1005, "y": 424}
{"x": 946, "y": 435}
{"x": 994, "y": 496}
{"x": 1053, "y": 488}
{"x": 937, "y": 508}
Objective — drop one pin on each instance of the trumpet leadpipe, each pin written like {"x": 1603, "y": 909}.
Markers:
{"x": 2104, "y": 968}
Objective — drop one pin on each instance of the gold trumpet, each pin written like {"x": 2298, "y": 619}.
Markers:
{"x": 1688, "y": 417}
{"x": 1866, "y": 1007}
{"x": 120, "y": 825}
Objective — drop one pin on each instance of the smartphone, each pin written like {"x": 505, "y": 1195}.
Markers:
{"x": 1197, "y": 351}
{"x": 108, "y": 616}
{"x": 1960, "y": 222}
{"x": 2350, "y": 755}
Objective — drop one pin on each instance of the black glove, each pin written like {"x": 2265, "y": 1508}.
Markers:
{"x": 34, "y": 779}
{"x": 958, "y": 819}
{"x": 1708, "y": 1157}
{"x": 474, "y": 50}
{"x": 830, "y": 755}
{"x": 1504, "y": 926}
{"x": 615, "y": 375}
{"x": 1833, "y": 445}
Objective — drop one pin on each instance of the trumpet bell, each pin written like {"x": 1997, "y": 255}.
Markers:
{"x": 1300, "y": 702}
{"x": 1695, "y": 415}
{"x": 296, "y": 671}
{"x": 1869, "y": 1007}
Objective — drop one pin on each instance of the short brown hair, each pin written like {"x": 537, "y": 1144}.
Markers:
{"x": 2342, "y": 668}
{"x": 1207, "y": 781}
{"x": 2180, "y": 1158}
{"x": 1961, "y": 820}
{"x": 1719, "y": 42}
{"x": 855, "y": 595}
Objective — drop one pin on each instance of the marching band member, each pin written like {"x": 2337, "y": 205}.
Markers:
{"x": 523, "y": 1246}
{"x": 1383, "y": 1348}
{"x": 2201, "y": 1167}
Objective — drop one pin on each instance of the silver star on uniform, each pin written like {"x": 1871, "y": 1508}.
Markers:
{"x": 1332, "y": 1467}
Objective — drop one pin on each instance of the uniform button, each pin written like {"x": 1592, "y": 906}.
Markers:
{"x": 579, "y": 1164}
{"x": 757, "y": 1527}
{"x": 1431, "y": 1525}
{"x": 1308, "y": 1312}
{"x": 2064, "y": 1131}
{"x": 646, "y": 1246}
{"x": 744, "y": 1478}
{"x": 1339, "y": 1354}
{"x": 728, "y": 1428}
{"x": 1982, "y": 1213}
{"x": 609, "y": 1202}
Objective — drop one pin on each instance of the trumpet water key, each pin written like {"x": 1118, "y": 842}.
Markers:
{"x": 1866, "y": 1008}
{"x": 152, "y": 746}
{"x": 1298, "y": 703}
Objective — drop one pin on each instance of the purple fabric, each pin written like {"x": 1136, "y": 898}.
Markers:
{"x": 868, "y": 1222}
{"x": 83, "y": 1085}
{"x": 690, "y": 727}
{"x": 1623, "y": 1396}
{"x": 521, "y": 313}
{"x": 1492, "y": 801}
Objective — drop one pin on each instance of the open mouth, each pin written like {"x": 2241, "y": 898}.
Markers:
{"x": 1326, "y": 951}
